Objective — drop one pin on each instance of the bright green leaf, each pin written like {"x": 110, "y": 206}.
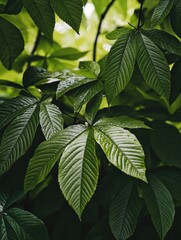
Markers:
{"x": 100, "y": 6}
{"x": 68, "y": 54}
{"x": 78, "y": 171}
{"x": 90, "y": 66}
{"x": 51, "y": 120}
{"x": 46, "y": 155}
{"x": 42, "y": 14}
{"x": 160, "y": 205}
{"x": 18, "y": 137}
{"x": 161, "y": 11}
{"x": 122, "y": 149}
{"x": 120, "y": 65}
{"x": 11, "y": 43}
{"x": 153, "y": 66}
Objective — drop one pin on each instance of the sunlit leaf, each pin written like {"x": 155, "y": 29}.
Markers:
{"x": 68, "y": 54}
{"x": 90, "y": 66}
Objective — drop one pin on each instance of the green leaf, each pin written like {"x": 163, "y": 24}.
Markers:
{"x": 175, "y": 81}
{"x": 122, "y": 149}
{"x": 70, "y": 83}
{"x": 100, "y": 5}
{"x": 153, "y": 66}
{"x": 161, "y": 11}
{"x": 4, "y": 82}
{"x": 86, "y": 93}
{"x": 18, "y": 137}
{"x": 164, "y": 40}
{"x": 92, "y": 107}
{"x": 11, "y": 43}
{"x": 160, "y": 205}
{"x": 14, "y": 107}
{"x": 122, "y": 121}
{"x": 24, "y": 225}
{"x": 46, "y": 155}
{"x": 117, "y": 33}
{"x": 51, "y": 120}
{"x": 78, "y": 171}
{"x": 90, "y": 66}
{"x": 69, "y": 11}
{"x": 175, "y": 17}
{"x": 13, "y": 6}
{"x": 120, "y": 65}
{"x": 42, "y": 14}
{"x": 124, "y": 211}
{"x": 68, "y": 54}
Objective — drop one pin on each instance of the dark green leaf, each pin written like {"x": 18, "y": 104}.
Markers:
{"x": 153, "y": 66}
{"x": 117, "y": 33}
{"x": 120, "y": 65}
{"x": 161, "y": 11}
{"x": 10, "y": 84}
{"x": 78, "y": 171}
{"x": 160, "y": 205}
{"x": 92, "y": 107}
{"x": 175, "y": 81}
{"x": 90, "y": 66}
{"x": 46, "y": 155}
{"x": 175, "y": 17}
{"x": 18, "y": 137}
{"x": 13, "y": 6}
{"x": 11, "y": 43}
{"x": 124, "y": 211}
{"x": 42, "y": 14}
{"x": 69, "y": 11}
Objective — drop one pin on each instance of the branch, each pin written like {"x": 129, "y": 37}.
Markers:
{"x": 103, "y": 15}
{"x": 140, "y": 15}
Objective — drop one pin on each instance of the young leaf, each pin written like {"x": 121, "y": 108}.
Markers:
{"x": 78, "y": 171}
{"x": 161, "y": 11}
{"x": 18, "y": 137}
{"x": 46, "y": 155}
{"x": 122, "y": 149}
{"x": 124, "y": 211}
{"x": 13, "y": 6}
{"x": 175, "y": 17}
{"x": 164, "y": 40}
{"x": 51, "y": 120}
{"x": 69, "y": 11}
{"x": 42, "y": 14}
{"x": 153, "y": 66}
{"x": 14, "y": 107}
{"x": 24, "y": 225}
{"x": 160, "y": 205}
{"x": 120, "y": 65}
{"x": 11, "y": 43}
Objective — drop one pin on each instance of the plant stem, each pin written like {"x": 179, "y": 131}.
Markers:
{"x": 140, "y": 15}
{"x": 103, "y": 15}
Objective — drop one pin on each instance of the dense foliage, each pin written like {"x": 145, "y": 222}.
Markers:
{"x": 90, "y": 149}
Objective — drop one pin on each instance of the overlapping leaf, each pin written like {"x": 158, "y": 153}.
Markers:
{"x": 119, "y": 65}
{"x": 46, "y": 155}
{"x": 42, "y": 14}
{"x": 175, "y": 17}
{"x": 161, "y": 11}
{"x": 92, "y": 107}
{"x": 78, "y": 171}
{"x": 124, "y": 211}
{"x": 11, "y": 43}
{"x": 122, "y": 149}
{"x": 160, "y": 205}
{"x": 51, "y": 120}
{"x": 69, "y": 11}
{"x": 18, "y": 137}
{"x": 13, "y": 6}
{"x": 153, "y": 66}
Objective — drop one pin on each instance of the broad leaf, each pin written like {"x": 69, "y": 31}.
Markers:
{"x": 13, "y": 6}
{"x": 78, "y": 171}
{"x": 42, "y": 14}
{"x": 117, "y": 33}
{"x": 90, "y": 66}
{"x": 160, "y": 205}
{"x": 11, "y": 43}
{"x": 46, "y": 155}
{"x": 51, "y": 120}
{"x": 70, "y": 83}
{"x": 20, "y": 224}
{"x": 68, "y": 54}
{"x": 14, "y": 107}
{"x": 153, "y": 66}
{"x": 86, "y": 93}
{"x": 161, "y": 11}
{"x": 175, "y": 17}
{"x": 18, "y": 137}
{"x": 122, "y": 149}
{"x": 122, "y": 121}
{"x": 120, "y": 65}
{"x": 124, "y": 211}
{"x": 164, "y": 40}
{"x": 69, "y": 11}
{"x": 175, "y": 81}
{"x": 92, "y": 107}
